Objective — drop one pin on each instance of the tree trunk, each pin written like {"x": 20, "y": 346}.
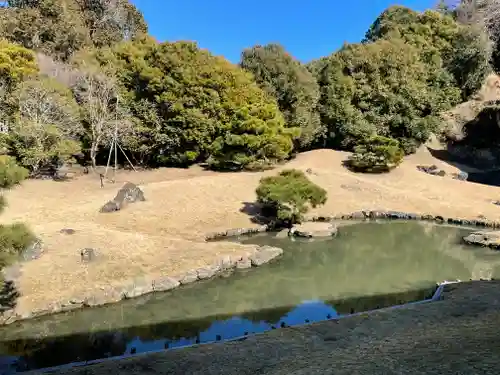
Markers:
{"x": 93, "y": 156}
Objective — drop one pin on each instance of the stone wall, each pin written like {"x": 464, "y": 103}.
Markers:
{"x": 258, "y": 256}
{"x": 397, "y": 215}
{"x": 216, "y": 236}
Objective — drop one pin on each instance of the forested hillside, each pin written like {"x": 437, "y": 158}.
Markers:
{"x": 74, "y": 71}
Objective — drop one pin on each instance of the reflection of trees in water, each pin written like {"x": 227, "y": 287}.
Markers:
{"x": 35, "y": 354}
{"x": 361, "y": 260}
{"x": 382, "y": 255}
{"x": 270, "y": 316}
{"x": 364, "y": 260}
{"x": 353, "y": 305}
{"x": 173, "y": 330}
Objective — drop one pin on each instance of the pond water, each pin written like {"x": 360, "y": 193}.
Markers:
{"x": 367, "y": 266}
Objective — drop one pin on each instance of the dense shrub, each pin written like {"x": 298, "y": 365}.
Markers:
{"x": 376, "y": 155}
{"x": 14, "y": 239}
{"x": 10, "y": 172}
{"x": 61, "y": 28}
{"x": 291, "y": 84}
{"x": 193, "y": 107}
{"x": 177, "y": 104}
{"x": 289, "y": 195}
{"x": 16, "y": 63}
{"x": 47, "y": 124}
{"x": 463, "y": 48}
{"x": 383, "y": 88}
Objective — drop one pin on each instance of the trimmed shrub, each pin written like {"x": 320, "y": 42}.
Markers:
{"x": 289, "y": 195}
{"x": 376, "y": 155}
{"x": 14, "y": 239}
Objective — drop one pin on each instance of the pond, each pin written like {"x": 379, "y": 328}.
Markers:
{"x": 367, "y": 266}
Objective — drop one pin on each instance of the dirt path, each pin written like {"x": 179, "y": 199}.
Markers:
{"x": 165, "y": 234}
{"x": 458, "y": 335}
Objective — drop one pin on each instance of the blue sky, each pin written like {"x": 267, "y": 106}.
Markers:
{"x": 307, "y": 29}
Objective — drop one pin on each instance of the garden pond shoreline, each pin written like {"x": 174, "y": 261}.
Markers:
{"x": 254, "y": 256}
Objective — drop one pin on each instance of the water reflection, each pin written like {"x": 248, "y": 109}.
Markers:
{"x": 25, "y": 355}
{"x": 367, "y": 266}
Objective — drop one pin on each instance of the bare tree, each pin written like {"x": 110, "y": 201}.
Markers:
{"x": 61, "y": 72}
{"x": 109, "y": 12}
{"x": 489, "y": 15}
{"x": 467, "y": 12}
{"x": 42, "y": 105}
{"x": 106, "y": 120}
{"x": 48, "y": 125}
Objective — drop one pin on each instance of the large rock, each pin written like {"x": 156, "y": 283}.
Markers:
{"x": 461, "y": 176}
{"x": 129, "y": 193}
{"x": 484, "y": 238}
{"x": 139, "y": 287}
{"x": 207, "y": 272}
{"x": 33, "y": 251}
{"x": 313, "y": 229}
{"x": 164, "y": 284}
{"x": 188, "y": 277}
{"x": 264, "y": 255}
{"x": 432, "y": 170}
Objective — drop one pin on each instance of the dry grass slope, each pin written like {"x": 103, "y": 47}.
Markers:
{"x": 165, "y": 234}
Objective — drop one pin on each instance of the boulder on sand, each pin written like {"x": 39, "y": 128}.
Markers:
{"x": 129, "y": 193}
{"x": 432, "y": 170}
{"x": 484, "y": 238}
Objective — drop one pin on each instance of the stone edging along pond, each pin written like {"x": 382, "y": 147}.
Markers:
{"x": 225, "y": 265}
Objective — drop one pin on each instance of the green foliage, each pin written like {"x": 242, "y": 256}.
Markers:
{"x": 10, "y": 172}
{"x": 291, "y": 84}
{"x": 3, "y": 203}
{"x": 112, "y": 22}
{"x": 47, "y": 127}
{"x": 52, "y": 27}
{"x": 14, "y": 239}
{"x": 469, "y": 60}
{"x": 59, "y": 28}
{"x": 376, "y": 155}
{"x": 383, "y": 88}
{"x": 16, "y": 63}
{"x": 180, "y": 105}
{"x": 193, "y": 106}
{"x": 464, "y": 49}
{"x": 289, "y": 195}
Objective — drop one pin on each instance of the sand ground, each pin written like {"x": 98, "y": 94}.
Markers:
{"x": 165, "y": 234}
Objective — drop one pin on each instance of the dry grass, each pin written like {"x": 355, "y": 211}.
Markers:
{"x": 165, "y": 234}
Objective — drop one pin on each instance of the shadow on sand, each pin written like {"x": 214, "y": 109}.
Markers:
{"x": 256, "y": 211}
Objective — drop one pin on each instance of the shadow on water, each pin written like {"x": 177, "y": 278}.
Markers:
{"x": 30, "y": 354}
{"x": 367, "y": 266}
